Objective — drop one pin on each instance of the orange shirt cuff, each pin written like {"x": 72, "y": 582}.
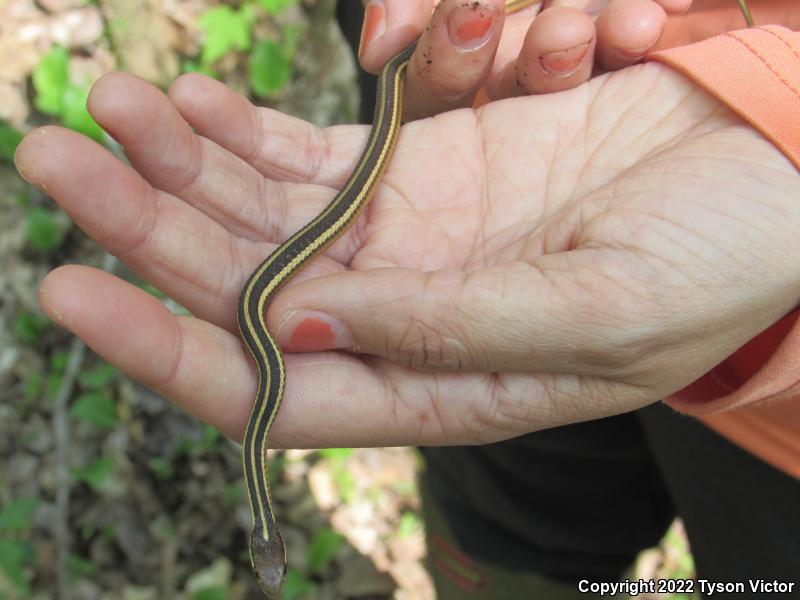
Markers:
{"x": 756, "y": 73}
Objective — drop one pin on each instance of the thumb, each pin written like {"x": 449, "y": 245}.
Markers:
{"x": 509, "y": 318}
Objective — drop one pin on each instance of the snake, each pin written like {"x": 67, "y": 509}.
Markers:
{"x": 267, "y": 549}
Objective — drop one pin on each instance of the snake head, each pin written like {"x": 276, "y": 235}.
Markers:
{"x": 269, "y": 563}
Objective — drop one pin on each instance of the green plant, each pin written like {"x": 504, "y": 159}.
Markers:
{"x": 745, "y": 12}
{"x": 17, "y": 556}
{"x": 231, "y": 30}
{"x": 96, "y": 408}
{"x": 98, "y": 377}
{"x": 210, "y": 593}
{"x": 52, "y": 382}
{"x": 161, "y": 467}
{"x": 43, "y": 230}
{"x": 77, "y": 566}
{"x": 29, "y": 327}
{"x": 323, "y": 547}
{"x": 296, "y": 585}
{"x": 409, "y": 524}
{"x": 210, "y": 442}
{"x": 9, "y": 140}
{"x": 344, "y": 480}
{"x": 18, "y": 515}
{"x": 57, "y": 96}
{"x": 96, "y": 473}
{"x": 276, "y": 6}
{"x": 95, "y": 404}
{"x": 33, "y": 386}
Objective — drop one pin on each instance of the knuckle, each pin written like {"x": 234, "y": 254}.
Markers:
{"x": 425, "y": 348}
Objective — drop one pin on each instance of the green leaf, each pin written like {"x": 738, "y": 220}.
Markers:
{"x": 76, "y": 116}
{"x": 109, "y": 533}
{"x": 98, "y": 376}
{"x": 43, "y": 231}
{"x": 185, "y": 446}
{"x": 345, "y": 482}
{"x": 50, "y": 80}
{"x": 33, "y": 385}
{"x": 161, "y": 467}
{"x": 409, "y": 524}
{"x": 226, "y": 29}
{"x": 77, "y": 566}
{"x": 290, "y": 37}
{"x": 269, "y": 68}
{"x": 273, "y": 7}
{"x": 212, "y": 438}
{"x": 29, "y": 326}
{"x": 336, "y": 454}
{"x": 96, "y": 473}
{"x": 9, "y": 140}
{"x": 191, "y": 66}
{"x": 296, "y": 585}
{"x": 322, "y": 549}
{"x": 51, "y": 386}
{"x": 210, "y": 593}
{"x": 18, "y": 515}
{"x": 15, "y": 557}
{"x": 276, "y": 469}
{"x": 96, "y": 408}
{"x": 58, "y": 362}
{"x": 23, "y": 199}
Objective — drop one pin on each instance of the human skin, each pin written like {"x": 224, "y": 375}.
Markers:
{"x": 529, "y": 52}
{"x": 536, "y": 262}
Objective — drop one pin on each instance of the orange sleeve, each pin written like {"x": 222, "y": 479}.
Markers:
{"x": 755, "y": 72}
{"x": 753, "y": 397}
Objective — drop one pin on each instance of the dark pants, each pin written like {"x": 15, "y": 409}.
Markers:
{"x": 580, "y": 502}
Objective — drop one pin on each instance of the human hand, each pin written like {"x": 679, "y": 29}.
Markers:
{"x": 466, "y": 46}
{"x": 569, "y": 257}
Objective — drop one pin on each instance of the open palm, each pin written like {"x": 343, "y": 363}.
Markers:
{"x": 541, "y": 261}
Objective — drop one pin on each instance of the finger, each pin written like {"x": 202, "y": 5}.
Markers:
{"x": 626, "y": 31}
{"x": 280, "y": 147}
{"x": 331, "y": 399}
{"x": 199, "y": 366}
{"x": 502, "y": 79}
{"x": 520, "y": 318}
{"x": 169, "y": 155}
{"x": 558, "y": 52}
{"x": 453, "y": 57}
{"x": 186, "y": 255}
{"x": 389, "y": 27}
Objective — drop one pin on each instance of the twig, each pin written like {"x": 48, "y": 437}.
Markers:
{"x": 746, "y": 12}
{"x": 77, "y": 353}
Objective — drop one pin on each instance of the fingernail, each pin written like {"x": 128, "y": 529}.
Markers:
{"x": 634, "y": 53}
{"x": 564, "y": 63}
{"x": 374, "y": 24}
{"x": 313, "y": 331}
{"x": 469, "y": 25}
